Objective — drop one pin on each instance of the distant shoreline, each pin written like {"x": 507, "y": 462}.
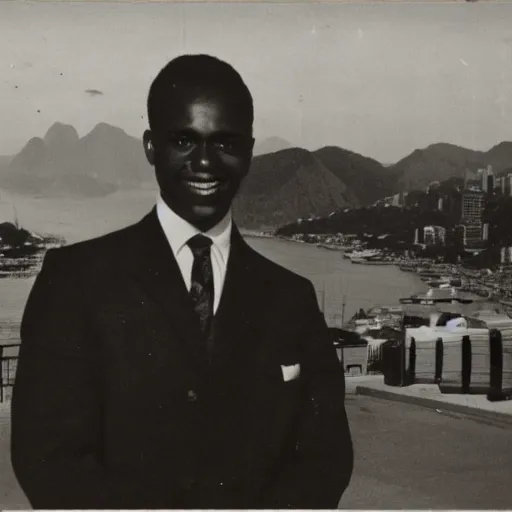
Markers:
{"x": 263, "y": 234}
{"x": 256, "y": 234}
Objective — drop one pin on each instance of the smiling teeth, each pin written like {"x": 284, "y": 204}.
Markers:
{"x": 204, "y": 185}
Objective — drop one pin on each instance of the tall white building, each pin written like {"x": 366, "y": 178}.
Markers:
{"x": 488, "y": 179}
{"x": 485, "y": 231}
{"x": 472, "y": 210}
{"x": 416, "y": 236}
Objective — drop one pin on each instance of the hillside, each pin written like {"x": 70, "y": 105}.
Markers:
{"x": 61, "y": 163}
{"x": 398, "y": 224}
{"x": 296, "y": 183}
{"x": 286, "y": 185}
{"x": 500, "y": 156}
{"x": 442, "y": 161}
{"x": 366, "y": 179}
{"x": 4, "y": 161}
{"x": 282, "y": 186}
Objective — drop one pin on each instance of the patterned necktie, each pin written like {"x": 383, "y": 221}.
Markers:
{"x": 201, "y": 290}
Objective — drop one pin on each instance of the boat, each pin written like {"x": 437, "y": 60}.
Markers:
{"x": 378, "y": 262}
{"x": 331, "y": 247}
{"x": 359, "y": 256}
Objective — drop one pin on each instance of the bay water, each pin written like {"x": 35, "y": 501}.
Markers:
{"x": 335, "y": 278}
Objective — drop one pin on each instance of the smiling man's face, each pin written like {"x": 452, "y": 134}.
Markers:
{"x": 202, "y": 150}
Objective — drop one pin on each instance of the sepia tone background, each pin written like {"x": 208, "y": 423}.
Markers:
{"x": 398, "y": 93}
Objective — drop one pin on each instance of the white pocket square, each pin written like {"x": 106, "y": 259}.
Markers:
{"x": 290, "y": 372}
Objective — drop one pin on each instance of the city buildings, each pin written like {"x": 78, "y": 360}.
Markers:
{"x": 488, "y": 179}
{"x": 452, "y": 205}
{"x": 485, "y": 231}
{"x": 434, "y": 235}
{"x": 505, "y": 185}
{"x": 395, "y": 200}
{"x": 417, "y": 240}
{"x": 473, "y": 204}
{"x": 506, "y": 255}
{"x": 459, "y": 235}
{"x": 430, "y": 235}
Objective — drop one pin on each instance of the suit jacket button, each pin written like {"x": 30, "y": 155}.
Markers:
{"x": 191, "y": 395}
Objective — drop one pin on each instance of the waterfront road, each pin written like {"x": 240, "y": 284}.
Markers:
{"x": 407, "y": 457}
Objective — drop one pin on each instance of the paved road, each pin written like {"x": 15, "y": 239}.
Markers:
{"x": 406, "y": 458}
{"x": 11, "y": 495}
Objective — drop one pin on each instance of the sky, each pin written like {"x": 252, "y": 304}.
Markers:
{"x": 380, "y": 79}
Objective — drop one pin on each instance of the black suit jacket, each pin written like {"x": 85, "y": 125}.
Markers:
{"x": 115, "y": 405}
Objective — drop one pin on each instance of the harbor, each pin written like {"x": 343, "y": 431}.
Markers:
{"x": 386, "y": 421}
{"x": 495, "y": 285}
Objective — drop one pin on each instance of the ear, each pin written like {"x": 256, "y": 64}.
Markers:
{"x": 149, "y": 147}
{"x": 250, "y": 147}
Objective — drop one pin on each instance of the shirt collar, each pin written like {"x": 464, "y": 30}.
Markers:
{"x": 178, "y": 231}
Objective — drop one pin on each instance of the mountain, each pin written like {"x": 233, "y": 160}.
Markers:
{"x": 500, "y": 156}
{"x": 296, "y": 183}
{"x": 271, "y": 145}
{"x": 287, "y": 185}
{"x": 117, "y": 157}
{"x": 282, "y": 186}
{"x": 59, "y": 133}
{"x": 442, "y": 161}
{"x": 284, "y": 181}
{"x": 62, "y": 163}
{"x": 366, "y": 179}
{"x": 5, "y": 160}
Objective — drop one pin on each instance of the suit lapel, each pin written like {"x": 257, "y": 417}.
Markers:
{"x": 241, "y": 300}
{"x": 157, "y": 272}
{"x": 241, "y": 306}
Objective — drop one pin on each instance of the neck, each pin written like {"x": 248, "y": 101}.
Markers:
{"x": 202, "y": 223}
{"x": 205, "y": 225}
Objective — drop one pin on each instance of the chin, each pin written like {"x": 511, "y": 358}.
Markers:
{"x": 204, "y": 211}
{"x": 207, "y": 215}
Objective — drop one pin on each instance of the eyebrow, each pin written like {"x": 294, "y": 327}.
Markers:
{"x": 215, "y": 135}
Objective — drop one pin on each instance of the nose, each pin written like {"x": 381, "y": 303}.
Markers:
{"x": 204, "y": 156}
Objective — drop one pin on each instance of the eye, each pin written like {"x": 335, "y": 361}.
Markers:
{"x": 182, "y": 142}
{"x": 228, "y": 145}
{"x": 225, "y": 145}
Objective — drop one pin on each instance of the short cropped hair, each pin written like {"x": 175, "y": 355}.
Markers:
{"x": 201, "y": 75}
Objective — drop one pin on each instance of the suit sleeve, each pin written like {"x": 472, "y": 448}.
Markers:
{"x": 320, "y": 468}
{"x": 56, "y": 407}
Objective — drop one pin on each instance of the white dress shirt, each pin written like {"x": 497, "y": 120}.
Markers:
{"x": 178, "y": 232}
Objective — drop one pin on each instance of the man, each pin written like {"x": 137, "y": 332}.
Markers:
{"x": 168, "y": 365}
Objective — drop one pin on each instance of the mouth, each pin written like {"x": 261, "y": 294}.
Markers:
{"x": 203, "y": 187}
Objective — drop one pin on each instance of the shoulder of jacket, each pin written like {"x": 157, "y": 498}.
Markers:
{"x": 276, "y": 272}
{"x": 97, "y": 249}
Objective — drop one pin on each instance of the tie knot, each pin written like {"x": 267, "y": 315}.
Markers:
{"x": 199, "y": 244}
